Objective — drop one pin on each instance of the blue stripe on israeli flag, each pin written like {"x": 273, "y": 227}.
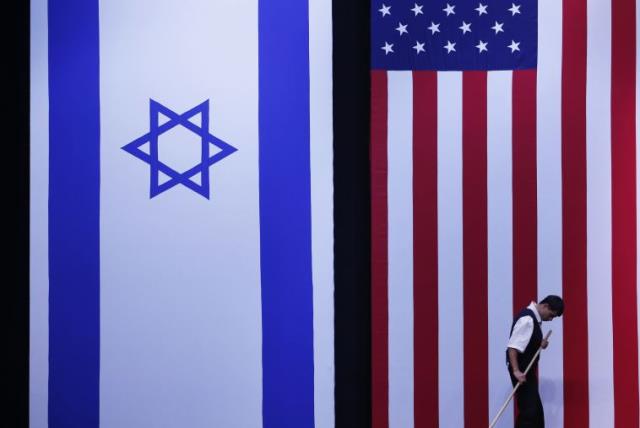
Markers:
{"x": 285, "y": 215}
{"x": 74, "y": 214}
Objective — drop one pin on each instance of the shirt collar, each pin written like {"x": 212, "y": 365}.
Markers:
{"x": 532, "y": 306}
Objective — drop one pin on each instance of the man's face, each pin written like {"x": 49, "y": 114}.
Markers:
{"x": 546, "y": 313}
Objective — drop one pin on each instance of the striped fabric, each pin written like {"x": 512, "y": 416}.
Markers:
{"x": 492, "y": 188}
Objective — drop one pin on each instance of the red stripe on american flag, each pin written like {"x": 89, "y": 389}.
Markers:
{"x": 624, "y": 233}
{"x": 379, "y": 253}
{"x": 425, "y": 247}
{"x": 574, "y": 213}
{"x": 525, "y": 206}
{"x": 474, "y": 194}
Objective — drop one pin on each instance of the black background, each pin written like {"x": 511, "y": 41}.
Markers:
{"x": 352, "y": 218}
{"x": 15, "y": 176}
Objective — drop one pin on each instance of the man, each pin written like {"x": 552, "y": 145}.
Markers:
{"x": 526, "y": 338}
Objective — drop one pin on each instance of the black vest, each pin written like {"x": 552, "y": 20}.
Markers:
{"x": 525, "y": 357}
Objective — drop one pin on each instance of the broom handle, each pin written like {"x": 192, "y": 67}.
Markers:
{"x": 506, "y": 403}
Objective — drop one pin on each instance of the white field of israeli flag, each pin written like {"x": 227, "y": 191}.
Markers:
{"x": 181, "y": 214}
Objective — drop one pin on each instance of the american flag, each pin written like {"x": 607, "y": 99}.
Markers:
{"x": 504, "y": 168}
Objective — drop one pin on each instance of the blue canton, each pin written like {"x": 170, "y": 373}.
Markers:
{"x": 157, "y": 166}
{"x": 454, "y": 35}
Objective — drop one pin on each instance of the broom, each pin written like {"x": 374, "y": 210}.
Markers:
{"x": 506, "y": 403}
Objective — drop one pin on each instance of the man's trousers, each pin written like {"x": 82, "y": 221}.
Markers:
{"x": 530, "y": 413}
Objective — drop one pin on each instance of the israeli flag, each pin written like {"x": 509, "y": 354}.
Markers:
{"x": 181, "y": 214}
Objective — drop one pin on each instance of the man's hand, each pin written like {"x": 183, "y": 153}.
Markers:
{"x": 519, "y": 376}
{"x": 544, "y": 344}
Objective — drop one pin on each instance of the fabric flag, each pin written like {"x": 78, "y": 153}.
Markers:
{"x": 504, "y": 168}
{"x": 181, "y": 214}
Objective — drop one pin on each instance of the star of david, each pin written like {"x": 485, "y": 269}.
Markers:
{"x": 157, "y": 166}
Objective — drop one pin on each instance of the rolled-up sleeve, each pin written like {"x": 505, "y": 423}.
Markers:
{"x": 521, "y": 334}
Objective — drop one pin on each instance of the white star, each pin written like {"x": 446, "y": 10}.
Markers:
{"x": 498, "y": 27}
{"x": 435, "y": 28}
{"x": 466, "y": 28}
{"x": 514, "y": 46}
{"x": 387, "y": 48}
{"x": 482, "y": 8}
{"x": 514, "y": 9}
{"x": 386, "y": 10}
{"x": 402, "y": 28}
{"x": 450, "y": 47}
{"x": 417, "y": 9}
{"x": 482, "y": 46}
{"x": 419, "y": 47}
{"x": 449, "y": 9}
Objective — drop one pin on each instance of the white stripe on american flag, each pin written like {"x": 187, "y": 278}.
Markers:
{"x": 599, "y": 213}
{"x": 500, "y": 245}
{"x": 400, "y": 144}
{"x": 450, "y": 316}
{"x": 550, "y": 198}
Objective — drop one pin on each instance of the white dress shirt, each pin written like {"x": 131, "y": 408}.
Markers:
{"x": 523, "y": 330}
